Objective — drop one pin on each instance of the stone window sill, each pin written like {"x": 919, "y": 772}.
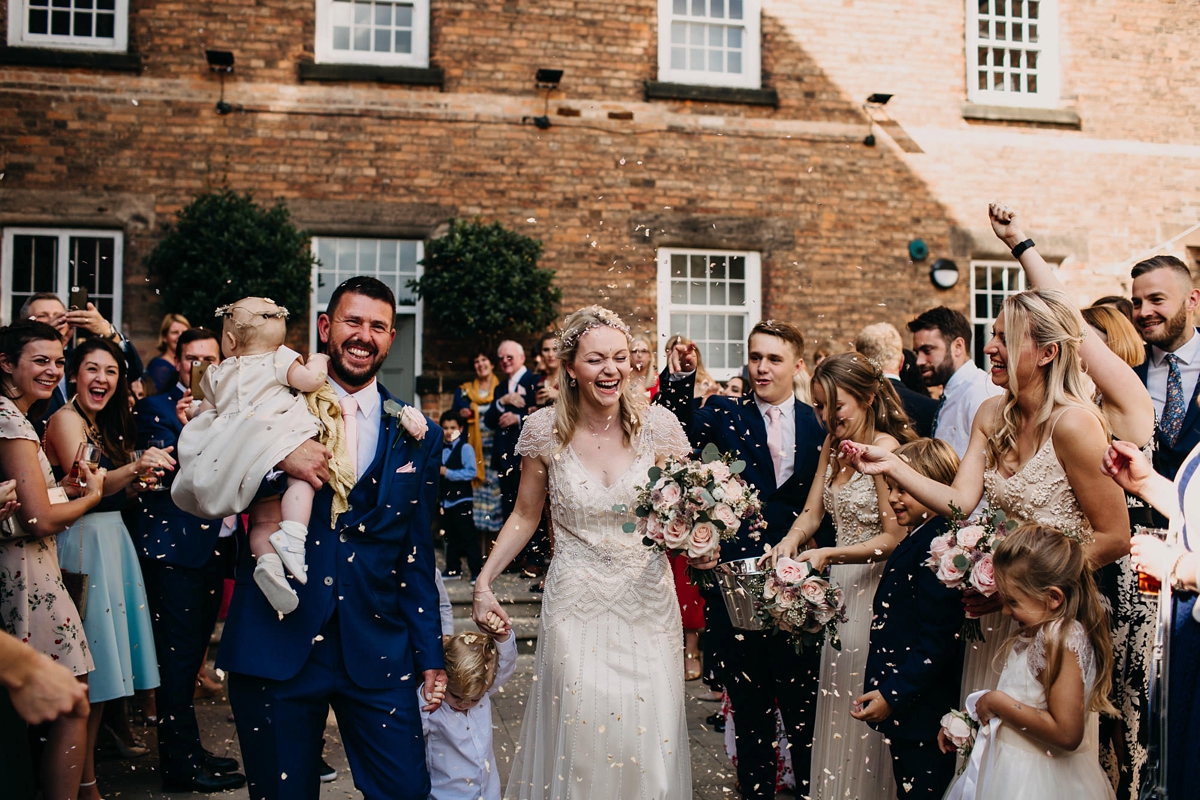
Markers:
{"x": 74, "y": 59}
{"x": 713, "y": 94}
{"x": 368, "y": 73}
{"x": 1046, "y": 116}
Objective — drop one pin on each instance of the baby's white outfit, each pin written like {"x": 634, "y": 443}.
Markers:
{"x": 458, "y": 745}
{"x": 258, "y": 419}
{"x": 1014, "y": 766}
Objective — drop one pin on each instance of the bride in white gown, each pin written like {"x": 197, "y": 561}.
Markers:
{"x": 605, "y": 715}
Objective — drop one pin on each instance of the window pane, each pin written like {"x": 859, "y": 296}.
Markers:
{"x": 408, "y": 257}
{"x": 105, "y": 26}
{"x": 383, "y": 14}
{"x": 737, "y": 355}
{"x": 735, "y": 9}
{"x": 39, "y": 20}
{"x": 698, "y": 8}
{"x": 737, "y": 268}
{"x": 60, "y": 23}
{"x": 983, "y": 29}
{"x": 680, "y": 7}
{"x": 403, "y": 41}
{"x": 341, "y": 38}
{"x": 717, "y": 355}
{"x": 339, "y": 12}
{"x": 716, "y": 327}
{"x": 678, "y": 33}
{"x": 368, "y": 256}
{"x": 1032, "y": 10}
{"x": 389, "y": 251}
{"x": 696, "y": 34}
{"x": 696, "y": 324}
{"x": 716, "y": 35}
{"x": 735, "y": 38}
{"x": 362, "y": 13}
{"x": 716, "y": 267}
{"x": 404, "y": 16}
{"x": 735, "y": 63}
{"x": 679, "y": 292}
{"x": 383, "y": 41}
{"x": 698, "y": 294}
{"x": 362, "y": 38}
{"x": 678, "y": 324}
{"x": 737, "y": 327}
{"x": 699, "y": 266}
{"x": 716, "y": 61}
{"x": 716, "y": 294}
{"x": 83, "y": 23}
{"x": 737, "y": 294}
{"x": 717, "y": 9}
{"x": 678, "y": 265}
{"x": 106, "y": 5}
{"x": 1031, "y": 84}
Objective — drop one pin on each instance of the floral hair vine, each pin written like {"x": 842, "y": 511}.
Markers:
{"x": 604, "y": 318}
{"x": 228, "y": 309}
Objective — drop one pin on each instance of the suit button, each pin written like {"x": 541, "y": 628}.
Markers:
{"x": 342, "y": 537}
{"x": 329, "y": 581}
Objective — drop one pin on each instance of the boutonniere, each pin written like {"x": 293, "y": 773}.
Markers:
{"x": 411, "y": 420}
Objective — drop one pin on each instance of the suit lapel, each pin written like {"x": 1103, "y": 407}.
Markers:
{"x": 758, "y": 435}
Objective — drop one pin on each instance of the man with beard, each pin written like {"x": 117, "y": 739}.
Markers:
{"x": 1164, "y": 308}
{"x": 366, "y": 636}
{"x": 942, "y": 340}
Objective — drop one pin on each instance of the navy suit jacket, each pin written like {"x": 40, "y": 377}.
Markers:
{"x": 164, "y": 532}
{"x": 375, "y": 571}
{"x": 736, "y": 426}
{"x": 915, "y": 660}
{"x": 921, "y": 410}
{"x": 1168, "y": 458}
{"x": 504, "y": 443}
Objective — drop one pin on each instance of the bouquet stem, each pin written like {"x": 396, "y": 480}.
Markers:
{"x": 971, "y": 630}
{"x": 701, "y": 578}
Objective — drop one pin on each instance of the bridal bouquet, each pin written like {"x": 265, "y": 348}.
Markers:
{"x": 802, "y": 603}
{"x": 689, "y": 506}
{"x": 960, "y": 728}
{"x": 962, "y": 558}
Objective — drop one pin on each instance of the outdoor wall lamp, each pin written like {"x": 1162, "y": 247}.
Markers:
{"x": 220, "y": 62}
{"x": 547, "y": 81}
{"x": 944, "y": 273}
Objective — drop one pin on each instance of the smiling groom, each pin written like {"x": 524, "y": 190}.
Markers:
{"x": 366, "y": 635}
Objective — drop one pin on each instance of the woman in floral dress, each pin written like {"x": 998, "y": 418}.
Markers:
{"x": 34, "y": 604}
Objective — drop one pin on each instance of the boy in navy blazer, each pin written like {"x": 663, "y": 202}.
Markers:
{"x": 760, "y": 670}
{"x": 915, "y": 664}
{"x": 367, "y": 632}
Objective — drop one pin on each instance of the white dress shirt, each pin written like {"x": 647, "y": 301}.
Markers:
{"x": 1189, "y": 372}
{"x": 369, "y": 422}
{"x": 516, "y": 379}
{"x": 458, "y": 744}
{"x": 966, "y": 390}
{"x": 787, "y": 419}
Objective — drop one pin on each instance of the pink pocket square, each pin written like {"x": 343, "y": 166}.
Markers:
{"x": 407, "y": 468}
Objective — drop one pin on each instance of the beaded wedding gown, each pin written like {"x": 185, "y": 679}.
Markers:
{"x": 605, "y": 716}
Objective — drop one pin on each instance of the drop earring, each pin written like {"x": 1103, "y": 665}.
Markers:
{"x": 573, "y": 383}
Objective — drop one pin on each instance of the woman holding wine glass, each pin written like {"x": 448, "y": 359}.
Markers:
{"x": 97, "y": 428}
{"x": 36, "y": 607}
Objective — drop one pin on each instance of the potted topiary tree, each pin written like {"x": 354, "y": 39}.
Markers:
{"x": 223, "y": 246}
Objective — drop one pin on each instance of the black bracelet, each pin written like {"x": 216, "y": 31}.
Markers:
{"x": 1022, "y": 247}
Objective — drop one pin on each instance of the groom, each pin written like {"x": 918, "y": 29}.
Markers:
{"x": 780, "y": 440}
{"x": 366, "y": 635}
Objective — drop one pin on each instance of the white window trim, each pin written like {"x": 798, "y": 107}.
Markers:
{"x": 986, "y": 322}
{"x": 323, "y": 51}
{"x": 17, "y": 37}
{"x": 64, "y": 268}
{"x": 752, "y": 309}
{"x": 751, "y": 77}
{"x": 417, "y": 310}
{"x": 1048, "y": 62}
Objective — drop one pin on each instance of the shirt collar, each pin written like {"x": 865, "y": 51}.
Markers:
{"x": 965, "y": 371}
{"x": 366, "y": 397}
{"x": 1187, "y": 352}
{"x": 785, "y": 408}
{"x": 518, "y": 375}
{"x": 182, "y": 389}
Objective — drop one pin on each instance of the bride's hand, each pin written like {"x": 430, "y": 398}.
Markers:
{"x": 708, "y": 562}
{"x": 818, "y": 557}
{"x": 788, "y": 547}
{"x": 866, "y": 458}
{"x": 485, "y": 605}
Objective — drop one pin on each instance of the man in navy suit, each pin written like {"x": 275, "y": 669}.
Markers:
{"x": 760, "y": 669}
{"x": 915, "y": 664}
{"x": 184, "y": 577}
{"x": 881, "y": 344}
{"x": 366, "y": 636}
{"x": 516, "y": 400}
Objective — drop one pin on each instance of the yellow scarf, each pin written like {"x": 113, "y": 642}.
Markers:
{"x": 474, "y": 437}
{"x": 323, "y": 404}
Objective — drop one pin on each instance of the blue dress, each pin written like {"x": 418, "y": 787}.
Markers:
{"x": 117, "y": 619}
{"x": 1183, "y": 699}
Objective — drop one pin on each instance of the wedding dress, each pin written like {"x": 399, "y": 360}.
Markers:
{"x": 605, "y": 715}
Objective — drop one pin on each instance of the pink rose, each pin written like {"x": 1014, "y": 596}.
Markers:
{"x": 705, "y": 540}
{"x": 676, "y": 535}
{"x": 983, "y": 576}
{"x": 789, "y": 570}
{"x": 771, "y": 587}
{"x": 654, "y": 529}
{"x": 959, "y": 729}
{"x": 733, "y": 489}
{"x": 947, "y": 572}
{"x": 696, "y": 496}
{"x": 969, "y": 536}
{"x": 724, "y": 513}
{"x": 413, "y": 421}
{"x": 719, "y": 471}
{"x": 940, "y": 544}
{"x": 666, "y": 496}
{"x": 839, "y": 599}
{"x": 813, "y": 590}
{"x": 825, "y": 614}
{"x": 789, "y": 596}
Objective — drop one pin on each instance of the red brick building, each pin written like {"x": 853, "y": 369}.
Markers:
{"x": 728, "y": 137}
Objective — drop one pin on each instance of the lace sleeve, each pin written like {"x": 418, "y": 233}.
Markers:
{"x": 537, "y": 434}
{"x": 1076, "y": 641}
{"x": 664, "y": 435}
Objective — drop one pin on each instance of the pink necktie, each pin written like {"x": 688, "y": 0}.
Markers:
{"x": 349, "y": 410}
{"x": 775, "y": 439}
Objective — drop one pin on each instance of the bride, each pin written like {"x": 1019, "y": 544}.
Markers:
{"x": 605, "y": 716}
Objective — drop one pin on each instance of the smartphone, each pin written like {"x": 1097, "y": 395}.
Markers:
{"x": 198, "y": 370}
{"x": 78, "y": 300}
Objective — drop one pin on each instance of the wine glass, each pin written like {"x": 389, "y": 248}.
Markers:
{"x": 89, "y": 454}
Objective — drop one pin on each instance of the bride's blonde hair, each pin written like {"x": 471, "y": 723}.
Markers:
{"x": 1045, "y": 317}
{"x": 566, "y": 408}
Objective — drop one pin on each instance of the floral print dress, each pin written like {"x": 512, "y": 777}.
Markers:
{"x": 34, "y": 604}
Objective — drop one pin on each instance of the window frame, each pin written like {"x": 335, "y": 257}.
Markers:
{"x": 417, "y": 310}
{"x": 324, "y": 53}
{"x": 981, "y": 326}
{"x": 1047, "y": 71}
{"x": 750, "y": 78}
{"x": 18, "y": 17}
{"x": 63, "y": 277}
{"x": 752, "y": 307}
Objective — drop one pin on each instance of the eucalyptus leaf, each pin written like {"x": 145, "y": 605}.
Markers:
{"x": 620, "y": 508}
{"x": 710, "y": 453}
{"x": 629, "y": 527}
{"x": 961, "y": 562}
{"x": 737, "y": 467}
{"x": 654, "y": 473}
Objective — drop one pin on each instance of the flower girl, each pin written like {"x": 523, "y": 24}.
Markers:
{"x": 1040, "y": 738}
{"x": 250, "y": 419}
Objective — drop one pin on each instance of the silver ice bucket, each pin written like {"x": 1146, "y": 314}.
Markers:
{"x": 741, "y": 587}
